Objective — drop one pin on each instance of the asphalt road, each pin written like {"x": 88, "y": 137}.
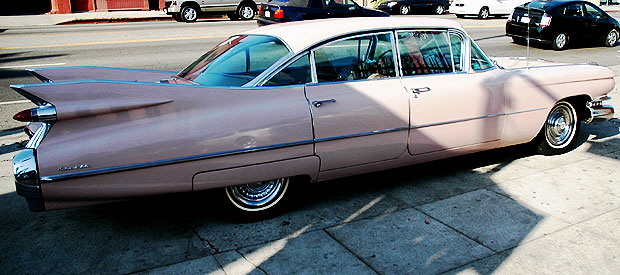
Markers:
{"x": 171, "y": 46}
{"x": 499, "y": 212}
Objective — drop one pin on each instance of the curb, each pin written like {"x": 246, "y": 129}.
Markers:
{"x": 114, "y": 20}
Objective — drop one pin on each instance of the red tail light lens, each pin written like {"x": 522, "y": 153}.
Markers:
{"x": 41, "y": 113}
{"x": 24, "y": 116}
{"x": 279, "y": 13}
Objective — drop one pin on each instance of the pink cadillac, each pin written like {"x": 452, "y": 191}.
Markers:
{"x": 290, "y": 103}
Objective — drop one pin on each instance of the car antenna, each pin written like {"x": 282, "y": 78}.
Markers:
{"x": 527, "y": 40}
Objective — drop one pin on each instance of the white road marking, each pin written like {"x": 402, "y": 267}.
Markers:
{"x": 14, "y": 102}
{"x": 33, "y": 65}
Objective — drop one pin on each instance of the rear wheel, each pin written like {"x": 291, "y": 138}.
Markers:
{"x": 439, "y": 9}
{"x": 559, "y": 133}
{"x": 484, "y": 13}
{"x": 189, "y": 14}
{"x": 611, "y": 38}
{"x": 246, "y": 12}
{"x": 404, "y": 9}
{"x": 257, "y": 196}
{"x": 560, "y": 41}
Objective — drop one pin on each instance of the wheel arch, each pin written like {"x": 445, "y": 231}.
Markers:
{"x": 248, "y": 2}
{"x": 579, "y": 103}
{"x": 191, "y": 3}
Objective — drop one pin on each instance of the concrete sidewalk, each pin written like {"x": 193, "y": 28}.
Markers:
{"x": 80, "y": 18}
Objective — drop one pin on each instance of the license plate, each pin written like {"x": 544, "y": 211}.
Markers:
{"x": 525, "y": 20}
{"x": 267, "y": 14}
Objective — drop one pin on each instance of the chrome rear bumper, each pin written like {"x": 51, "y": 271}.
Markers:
{"x": 27, "y": 182}
{"x": 599, "y": 112}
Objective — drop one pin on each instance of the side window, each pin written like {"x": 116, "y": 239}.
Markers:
{"x": 297, "y": 72}
{"x": 425, "y": 52}
{"x": 456, "y": 42}
{"x": 479, "y": 61}
{"x": 592, "y": 12}
{"x": 361, "y": 57}
{"x": 574, "y": 9}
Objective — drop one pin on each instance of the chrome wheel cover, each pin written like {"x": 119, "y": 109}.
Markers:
{"x": 404, "y": 9}
{"x": 189, "y": 14}
{"x": 484, "y": 13}
{"x": 246, "y": 12}
{"x": 258, "y": 195}
{"x": 560, "y": 126}
{"x": 560, "y": 41}
{"x": 612, "y": 38}
{"x": 439, "y": 10}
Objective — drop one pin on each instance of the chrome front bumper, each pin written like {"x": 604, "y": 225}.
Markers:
{"x": 27, "y": 182}
{"x": 600, "y": 112}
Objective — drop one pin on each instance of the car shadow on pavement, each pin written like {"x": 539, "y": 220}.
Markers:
{"x": 365, "y": 219}
{"x": 464, "y": 213}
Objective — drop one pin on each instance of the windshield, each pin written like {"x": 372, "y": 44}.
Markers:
{"x": 235, "y": 61}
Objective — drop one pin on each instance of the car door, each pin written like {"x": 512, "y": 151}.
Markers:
{"x": 452, "y": 106}
{"x": 597, "y": 20}
{"x": 576, "y": 24}
{"x": 360, "y": 109}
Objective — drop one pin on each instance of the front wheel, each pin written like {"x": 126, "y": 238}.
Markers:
{"x": 439, "y": 10}
{"x": 560, "y": 41}
{"x": 519, "y": 40}
{"x": 484, "y": 13}
{"x": 560, "y": 130}
{"x": 257, "y": 196}
{"x": 404, "y": 9}
{"x": 611, "y": 38}
{"x": 189, "y": 14}
{"x": 246, "y": 12}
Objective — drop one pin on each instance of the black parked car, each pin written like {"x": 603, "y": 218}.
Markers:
{"x": 415, "y": 6}
{"x": 280, "y": 11}
{"x": 561, "y": 23}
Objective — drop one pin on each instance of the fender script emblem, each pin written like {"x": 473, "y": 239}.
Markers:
{"x": 81, "y": 166}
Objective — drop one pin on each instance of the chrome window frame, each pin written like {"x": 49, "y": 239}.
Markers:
{"x": 447, "y": 34}
{"x": 313, "y": 60}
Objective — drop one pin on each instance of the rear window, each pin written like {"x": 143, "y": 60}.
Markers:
{"x": 537, "y": 5}
{"x": 235, "y": 61}
{"x": 291, "y": 3}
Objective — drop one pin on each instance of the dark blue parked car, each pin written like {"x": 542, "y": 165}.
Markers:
{"x": 415, "y": 6}
{"x": 280, "y": 11}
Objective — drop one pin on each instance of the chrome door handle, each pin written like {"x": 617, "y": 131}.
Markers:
{"x": 417, "y": 91}
{"x": 321, "y": 102}
{"x": 421, "y": 90}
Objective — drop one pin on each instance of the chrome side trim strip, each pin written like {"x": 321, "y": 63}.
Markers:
{"x": 362, "y": 134}
{"x": 150, "y": 164}
{"x": 472, "y": 118}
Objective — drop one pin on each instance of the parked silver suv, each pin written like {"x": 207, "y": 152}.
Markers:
{"x": 190, "y": 10}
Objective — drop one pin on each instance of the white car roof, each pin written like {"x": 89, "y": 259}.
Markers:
{"x": 300, "y": 35}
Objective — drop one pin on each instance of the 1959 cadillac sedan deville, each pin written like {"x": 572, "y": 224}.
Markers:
{"x": 306, "y": 101}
